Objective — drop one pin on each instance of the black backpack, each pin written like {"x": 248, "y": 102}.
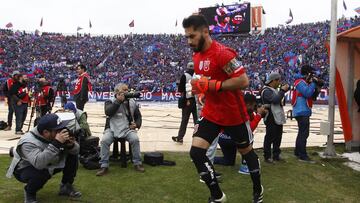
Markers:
{"x": 3, "y": 125}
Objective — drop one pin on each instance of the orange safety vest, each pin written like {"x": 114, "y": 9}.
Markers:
{"x": 25, "y": 99}
{"x": 41, "y": 101}
{"x": 79, "y": 82}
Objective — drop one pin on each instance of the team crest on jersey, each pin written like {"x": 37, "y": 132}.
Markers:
{"x": 206, "y": 65}
{"x": 201, "y": 65}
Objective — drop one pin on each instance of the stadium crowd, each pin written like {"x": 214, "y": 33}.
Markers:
{"x": 155, "y": 62}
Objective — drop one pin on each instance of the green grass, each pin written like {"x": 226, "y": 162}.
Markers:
{"x": 326, "y": 181}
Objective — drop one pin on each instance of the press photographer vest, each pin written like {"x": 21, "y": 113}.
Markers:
{"x": 79, "y": 82}
{"x": 276, "y": 109}
{"x": 119, "y": 122}
{"x": 26, "y": 98}
{"x": 297, "y": 94}
{"x": 30, "y": 138}
{"x": 42, "y": 99}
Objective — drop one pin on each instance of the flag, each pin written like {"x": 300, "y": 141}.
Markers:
{"x": 290, "y": 18}
{"x": 357, "y": 10}
{"x": 344, "y": 4}
{"x": 41, "y": 22}
{"x": 78, "y": 28}
{"x": 176, "y": 23}
{"x": 9, "y": 25}
{"x": 263, "y": 11}
{"x": 90, "y": 25}
{"x": 132, "y": 24}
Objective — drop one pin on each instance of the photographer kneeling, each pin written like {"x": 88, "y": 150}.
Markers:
{"x": 307, "y": 88}
{"x": 45, "y": 150}
{"x": 121, "y": 123}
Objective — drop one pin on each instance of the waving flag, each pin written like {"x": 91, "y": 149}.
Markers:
{"x": 357, "y": 10}
{"x": 79, "y": 28}
{"x": 291, "y": 18}
{"x": 90, "y": 25}
{"x": 132, "y": 24}
{"x": 9, "y": 25}
{"x": 41, "y": 22}
{"x": 344, "y": 4}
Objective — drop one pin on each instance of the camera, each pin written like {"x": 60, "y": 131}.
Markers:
{"x": 129, "y": 95}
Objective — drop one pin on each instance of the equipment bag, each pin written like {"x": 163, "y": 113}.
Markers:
{"x": 157, "y": 159}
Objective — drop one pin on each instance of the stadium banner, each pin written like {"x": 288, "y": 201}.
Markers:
{"x": 228, "y": 19}
{"x": 256, "y": 13}
{"x": 174, "y": 96}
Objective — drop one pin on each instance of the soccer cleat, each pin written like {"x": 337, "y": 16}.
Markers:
{"x": 258, "y": 196}
{"x": 222, "y": 199}
{"x": 244, "y": 169}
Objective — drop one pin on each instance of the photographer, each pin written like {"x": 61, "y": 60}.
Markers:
{"x": 272, "y": 98}
{"x": 9, "y": 83}
{"x": 45, "y": 97}
{"x": 19, "y": 106}
{"x": 61, "y": 88}
{"x": 186, "y": 102}
{"x": 82, "y": 87}
{"x": 123, "y": 118}
{"x": 44, "y": 151}
{"x": 81, "y": 118}
{"x": 305, "y": 91}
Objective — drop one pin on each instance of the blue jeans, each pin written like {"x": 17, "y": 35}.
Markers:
{"x": 10, "y": 112}
{"x": 108, "y": 139}
{"x": 20, "y": 115}
{"x": 303, "y": 134}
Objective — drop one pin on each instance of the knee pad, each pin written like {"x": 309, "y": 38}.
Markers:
{"x": 252, "y": 161}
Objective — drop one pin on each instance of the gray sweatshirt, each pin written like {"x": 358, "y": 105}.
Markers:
{"x": 33, "y": 149}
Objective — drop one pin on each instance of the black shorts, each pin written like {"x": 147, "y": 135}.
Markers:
{"x": 240, "y": 134}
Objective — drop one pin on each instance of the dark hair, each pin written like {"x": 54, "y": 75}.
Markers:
{"x": 249, "y": 98}
{"x": 81, "y": 66}
{"x": 306, "y": 69}
{"x": 197, "y": 21}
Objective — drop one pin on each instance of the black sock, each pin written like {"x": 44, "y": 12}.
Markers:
{"x": 243, "y": 162}
{"x": 254, "y": 168}
{"x": 206, "y": 170}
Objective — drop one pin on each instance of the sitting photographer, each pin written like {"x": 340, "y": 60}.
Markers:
{"x": 123, "y": 118}
{"x": 273, "y": 99}
{"x": 81, "y": 118}
{"x": 44, "y": 151}
{"x": 307, "y": 87}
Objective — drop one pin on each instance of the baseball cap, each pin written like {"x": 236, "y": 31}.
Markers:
{"x": 15, "y": 73}
{"x": 51, "y": 122}
{"x": 70, "y": 106}
{"x": 190, "y": 65}
{"x": 272, "y": 76}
